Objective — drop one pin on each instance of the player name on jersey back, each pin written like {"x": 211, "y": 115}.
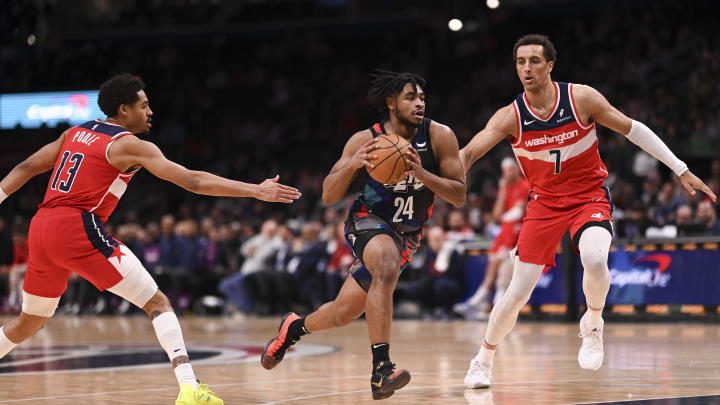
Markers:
{"x": 83, "y": 177}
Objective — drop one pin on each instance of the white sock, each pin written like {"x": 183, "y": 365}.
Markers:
{"x": 169, "y": 334}
{"x": 5, "y": 344}
{"x": 185, "y": 375}
{"x": 486, "y": 356}
{"x": 479, "y": 296}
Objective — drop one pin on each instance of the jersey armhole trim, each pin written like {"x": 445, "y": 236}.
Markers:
{"x": 519, "y": 126}
{"x": 107, "y": 149}
{"x": 574, "y": 110}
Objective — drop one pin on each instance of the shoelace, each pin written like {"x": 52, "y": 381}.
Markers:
{"x": 206, "y": 388}
{"x": 386, "y": 368}
{"x": 476, "y": 365}
{"x": 592, "y": 339}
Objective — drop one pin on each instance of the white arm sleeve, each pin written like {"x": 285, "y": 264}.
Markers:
{"x": 646, "y": 139}
{"x": 513, "y": 214}
{"x": 3, "y": 196}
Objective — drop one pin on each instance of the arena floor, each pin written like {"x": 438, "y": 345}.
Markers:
{"x": 115, "y": 360}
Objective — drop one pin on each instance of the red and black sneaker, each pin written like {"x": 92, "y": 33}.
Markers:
{"x": 275, "y": 349}
{"x": 385, "y": 379}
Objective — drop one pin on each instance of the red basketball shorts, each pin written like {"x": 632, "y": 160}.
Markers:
{"x": 506, "y": 239}
{"x": 63, "y": 240}
{"x": 548, "y": 218}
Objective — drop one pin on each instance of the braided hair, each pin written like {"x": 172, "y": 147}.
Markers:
{"x": 388, "y": 84}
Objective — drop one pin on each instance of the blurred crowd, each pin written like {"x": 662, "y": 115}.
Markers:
{"x": 245, "y": 92}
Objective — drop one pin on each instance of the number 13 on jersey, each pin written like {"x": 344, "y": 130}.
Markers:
{"x": 404, "y": 208}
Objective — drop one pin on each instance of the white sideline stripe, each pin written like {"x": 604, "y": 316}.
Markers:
{"x": 638, "y": 400}
{"x": 508, "y": 383}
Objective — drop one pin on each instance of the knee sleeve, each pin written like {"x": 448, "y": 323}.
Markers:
{"x": 594, "y": 246}
{"x": 137, "y": 286}
{"x": 39, "y": 306}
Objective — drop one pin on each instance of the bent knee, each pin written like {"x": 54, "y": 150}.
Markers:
{"x": 158, "y": 304}
{"x": 594, "y": 260}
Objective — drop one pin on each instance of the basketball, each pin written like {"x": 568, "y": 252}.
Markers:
{"x": 390, "y": 166}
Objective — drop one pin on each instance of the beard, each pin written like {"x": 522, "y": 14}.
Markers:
{"x": 406, "y": 121}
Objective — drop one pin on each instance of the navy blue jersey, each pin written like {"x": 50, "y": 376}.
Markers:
{"x": 407, "y": 204}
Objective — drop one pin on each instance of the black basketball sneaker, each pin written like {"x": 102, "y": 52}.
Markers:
{"x": 385, "y": 379}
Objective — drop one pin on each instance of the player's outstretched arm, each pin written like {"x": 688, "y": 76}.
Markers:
{"x": 130, "y": 151}
{"x": 355, "y": 156}
{"x": 501, "y": 125}
{"x": 39, "y": 162}
{"x": 450, "y": 184}
{"x": 593, "y": 105}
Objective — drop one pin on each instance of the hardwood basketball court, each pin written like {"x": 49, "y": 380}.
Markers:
{"x": 116, "y": 360}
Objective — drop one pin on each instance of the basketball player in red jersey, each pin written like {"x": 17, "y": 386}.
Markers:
{"x": 551, "y": 127}
{"x": 91, "y": 166}
{"x": 384, "y": 224}
{"x": 508, "y": 210}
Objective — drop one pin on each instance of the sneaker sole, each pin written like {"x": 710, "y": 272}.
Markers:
{"x": 388, "y": 390}
{"x": 476, "y": 386}
{"x": 269, "y": 362}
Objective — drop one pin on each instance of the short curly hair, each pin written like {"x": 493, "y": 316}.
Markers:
{"x": 536, "y": 39}
{"x": 120, "y": 89}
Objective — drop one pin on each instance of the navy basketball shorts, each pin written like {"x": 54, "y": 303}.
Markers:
{"x": 360, "y": 228}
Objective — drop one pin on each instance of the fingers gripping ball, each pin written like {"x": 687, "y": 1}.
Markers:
{"x": 389, "y": 166}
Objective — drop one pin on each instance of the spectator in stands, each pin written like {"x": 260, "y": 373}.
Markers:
{"x": 260, "y": 252}
{"x": 668, "y": 202}
{"x": 707, "y": 216}
{"x": 436, "y": 287}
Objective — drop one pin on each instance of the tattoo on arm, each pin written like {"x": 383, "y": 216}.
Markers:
{"x": 155, "y": 314}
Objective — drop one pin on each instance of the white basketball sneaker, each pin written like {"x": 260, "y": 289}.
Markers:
{"x": 479, "y": 375}
{"x": 591, "y": 353}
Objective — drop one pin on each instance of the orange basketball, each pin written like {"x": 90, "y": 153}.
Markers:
{"x": 390, "y": 166}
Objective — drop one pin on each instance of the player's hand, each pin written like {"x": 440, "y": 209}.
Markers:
{"x": 413, "y": 163}
{"x": 363, "y": 155}
{"x": 272, "y": 191}
{"x": 692, "y": 183}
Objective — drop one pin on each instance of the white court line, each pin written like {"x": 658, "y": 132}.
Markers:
{"x": 509, "y": 383}
{"x": 355, "y": 392}
{"x": 639, "y": 399}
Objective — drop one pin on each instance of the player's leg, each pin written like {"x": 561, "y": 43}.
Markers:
{"x": 36, "y": 312}
{"x": 502, "y": 320}
{"x": 594, "y": 245}
{"x": 505, "y": 271}
{"x": 591, "y": 232}
{"x": 349, "y": 305}
{"x": 537, "y": 243}
{"x": 110, "y": 265}
{"x": 383, "y": 259}
{"x": 44, "y": 283}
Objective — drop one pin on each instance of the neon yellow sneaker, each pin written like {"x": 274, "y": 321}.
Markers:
{"x": 203, "y": 396}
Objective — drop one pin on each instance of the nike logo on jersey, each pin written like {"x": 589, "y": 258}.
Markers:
{"x": 529, "y": 122}
{"x": 420, "y": 145}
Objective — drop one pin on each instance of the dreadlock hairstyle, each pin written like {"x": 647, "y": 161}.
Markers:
{"x": 387, "y": 84}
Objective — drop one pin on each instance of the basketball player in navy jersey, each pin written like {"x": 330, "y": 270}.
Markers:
{"x": 551, "y": 128}
{"x": 384, "y": 223}
{"x": 91, "y": 165}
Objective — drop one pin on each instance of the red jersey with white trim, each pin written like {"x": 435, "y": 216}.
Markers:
{"x": 83, "y": 177}
{"x": 558, "y": 154}
{"x": 517, "y": 191}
